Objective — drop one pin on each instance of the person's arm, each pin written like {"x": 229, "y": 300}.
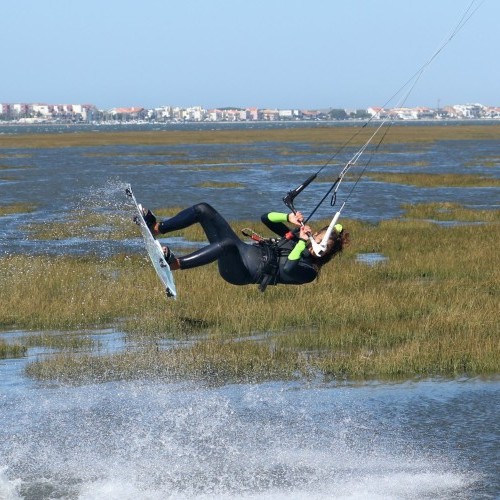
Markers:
{"x": 298, "y": 269}
{"x": 275, "y": 221}
{"x": 301, "y": 244}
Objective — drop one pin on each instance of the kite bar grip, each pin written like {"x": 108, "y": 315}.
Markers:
{"x": 319, "y": 248}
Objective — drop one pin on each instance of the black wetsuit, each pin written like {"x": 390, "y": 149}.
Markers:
{"x": 241, "y": 263}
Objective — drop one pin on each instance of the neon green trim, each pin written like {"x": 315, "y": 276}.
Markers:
{"x": 297, "y": 250}
{"x": 277, "y": 217}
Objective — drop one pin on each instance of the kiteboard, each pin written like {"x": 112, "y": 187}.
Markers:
{"x": 153, "y": 248}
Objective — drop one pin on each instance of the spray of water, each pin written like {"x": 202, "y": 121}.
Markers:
{"x": 147, "y": 440}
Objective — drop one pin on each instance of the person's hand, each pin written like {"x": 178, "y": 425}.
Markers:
{"x": 305, "y": 232}
{"x": 295, "y": 218}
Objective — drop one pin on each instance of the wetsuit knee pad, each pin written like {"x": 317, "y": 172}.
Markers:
{"x": 204, "y": 209}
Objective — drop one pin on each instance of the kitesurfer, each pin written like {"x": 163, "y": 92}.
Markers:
{"x": 287, "y": 260}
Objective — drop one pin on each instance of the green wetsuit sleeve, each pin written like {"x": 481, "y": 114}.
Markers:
{"x": 297, "y": 250}
{"x": 277, "y": 217}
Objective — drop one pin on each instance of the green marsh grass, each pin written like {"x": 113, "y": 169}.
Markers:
{"x": 67, "y": 293}
{"x": 187, "y": 162}
{"x": 15, "y": 155}
{"x": 225, "y": 168}
{"x": 431, "y": 309}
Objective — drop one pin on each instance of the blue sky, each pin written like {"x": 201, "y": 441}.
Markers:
{"x": 264, "y": 53}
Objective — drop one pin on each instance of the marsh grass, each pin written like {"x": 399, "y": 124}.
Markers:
{"x": 185, "y": 162}
{"x": 218, "y": 362}
{"x": 67, "y": 293}
{"x": 485, "y": 161}
{"x": 17, "y": 208}
{"x": 133, "y": 154}
{"x": 392, "y": 164}
{"x": 219, "y": 185}
{"x": 11, "y": 350}
{"x": 445, "y": 211}
{"x": 435, "y": 180}
{"x": 329, "y": 135}
{"x": 86, "y": 224}
{"x": 15, "y": 155}
{"x": 57, "y": 340}
{"x": 225, "y": 167}
{"x": 15, "y": 167}
{"x": 430, "y": 309}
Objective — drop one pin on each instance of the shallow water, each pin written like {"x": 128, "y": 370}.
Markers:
{"x": 277, "y": 440}
{"x": 63, "y": 180}
{"x": 308, "y": 439}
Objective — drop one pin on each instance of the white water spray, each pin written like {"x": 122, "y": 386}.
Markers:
{"x": 150, "y": 440}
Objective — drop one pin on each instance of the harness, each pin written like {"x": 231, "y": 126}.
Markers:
{"x": 270, "y": 264}
{"x": 270, "y": 260}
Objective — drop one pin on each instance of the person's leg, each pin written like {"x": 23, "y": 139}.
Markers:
{"x": 203, "y": 256}
{"x": 214, "y": 225}
{"x": 236, "y": 260}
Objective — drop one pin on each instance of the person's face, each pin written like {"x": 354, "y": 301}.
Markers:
{"x": 318, "y": 236}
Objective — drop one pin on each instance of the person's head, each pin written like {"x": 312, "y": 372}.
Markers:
{"x": 339, "y": 238}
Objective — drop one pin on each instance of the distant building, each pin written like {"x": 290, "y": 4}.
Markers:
{"x": 491, "y": 112}
{"x": 70, "y": 113}
{"x": 5, "y": 110}
{"x": 214, "y": 115}
{"x": 270, "y": 114}
{"x": 404, "y": 113}
{"x": 252, "y": 114}
{"x": 285, "y": 114}
{"x": 375, "y": 112}
{"x": 127, "y": 114}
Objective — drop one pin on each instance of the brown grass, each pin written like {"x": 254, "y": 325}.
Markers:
{"x": 430, "y": 309}
{"x": 435, "y": 180}
{"x": 330, "y": 135}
